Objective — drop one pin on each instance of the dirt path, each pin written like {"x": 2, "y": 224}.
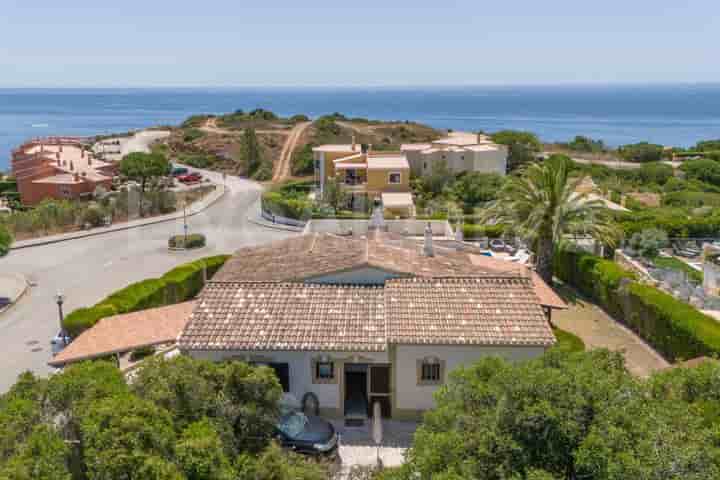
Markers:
{"x": 284, "y": 165}
{"x": 598, "y": 330}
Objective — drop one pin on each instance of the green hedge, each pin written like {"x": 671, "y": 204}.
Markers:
{"x": 178, "y": 285}
{"x": 284, "y": 206}
{"x": 674, "y": 328}
{"x": 195, "y": 240}
{"x": 6, "y": 240}
{"x": 691, "y": 199}
{"x": 475, "y": 230}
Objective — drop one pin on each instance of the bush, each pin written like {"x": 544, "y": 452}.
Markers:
{"x": 641, "y": 152}
{"x": 649, "y": 242}
{"x": 93, "y": 216}
{"x": 284, "y": 205}
{"x": 178, "y": 285}
{"x": 196, "y": 240}
{"x": 6, "y": 240}
{"x": 475, "y": 231}
{"x": 568, "y": 341}
{"x": 142, "y": 352}
{"x": 691, "y": 199}
{"x": 674, "y": 328}
{"x": 192, "y": 134}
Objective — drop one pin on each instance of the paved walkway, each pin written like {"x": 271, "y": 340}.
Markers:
{"x": 358, "y": 448}
{"x": 598, "y": 330}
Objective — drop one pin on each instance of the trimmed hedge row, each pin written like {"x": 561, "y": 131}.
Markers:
{"x": 178, "y": 285}
{"x": 674, "y": 328}
{"x": 476, "y": 231}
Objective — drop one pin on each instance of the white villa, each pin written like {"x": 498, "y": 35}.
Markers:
{"x": 463, "y": 152}
{"x": 348, "y": 321}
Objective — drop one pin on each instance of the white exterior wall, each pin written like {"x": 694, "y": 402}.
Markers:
{"x": 410, "y": 396}
{"x": 489, "y": 161}
{"x": 300, "y": 367}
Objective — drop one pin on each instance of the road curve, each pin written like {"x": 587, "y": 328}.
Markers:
{"x": 89, "y": 269}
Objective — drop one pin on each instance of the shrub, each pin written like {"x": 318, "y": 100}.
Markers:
{"x": 142, "y": 352}
{"x": 192, "y": 134}
{"x": 649, "y": 242}
{"x": 475, "y": 231}
{"x": 6, "y": 240}
{"x": 178, "y": 285}
{"x": 286, "y": 206}
{"x": 691, "y": 199}
{"x": 641, "y": 152}
{"x": 93, "y": 216}
{"x": 674, "y": 328}
{"x": 195, "y": 240}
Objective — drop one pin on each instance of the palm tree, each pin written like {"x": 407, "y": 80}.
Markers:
{"x": 542, "y": 205}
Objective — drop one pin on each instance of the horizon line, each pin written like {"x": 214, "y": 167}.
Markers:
{"x": 361, "y": 86}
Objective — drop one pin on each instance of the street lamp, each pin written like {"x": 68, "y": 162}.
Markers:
{"x": 185, "y": 225}
{"x": 60, "y": 299}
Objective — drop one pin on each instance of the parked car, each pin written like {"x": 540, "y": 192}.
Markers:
{"x": 177, "y": 171}
{"x": 497, "y": 245}
{"x": 59, "y": 342}
{"x": 307, "y": 434}
{"x": 190, "y": 178}
{"x": 4, "y": 302}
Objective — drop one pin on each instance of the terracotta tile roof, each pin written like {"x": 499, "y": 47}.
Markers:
{"x": 123, "y": 333}
{"x": 465, "y": 311}
{"x": 547, "y": 295}
{"x": 294, "y": 259}
{"x": 318, "y": 254}
{"x": 491, "y": 310}
{"x": 287, "y": 316}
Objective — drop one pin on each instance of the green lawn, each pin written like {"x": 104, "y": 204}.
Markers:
{"x": 675, "y": 264}
{"x": 568, "y": 341}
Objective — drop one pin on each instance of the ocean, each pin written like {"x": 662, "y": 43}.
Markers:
{"x": 677, "y": 115}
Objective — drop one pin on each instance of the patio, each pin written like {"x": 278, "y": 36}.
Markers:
{"x": 357, "y": 446}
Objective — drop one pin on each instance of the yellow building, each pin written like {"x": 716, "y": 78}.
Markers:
{"x": 367, "y": 176}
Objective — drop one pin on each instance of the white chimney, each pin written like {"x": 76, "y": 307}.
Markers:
{"x": 428, "y": 247}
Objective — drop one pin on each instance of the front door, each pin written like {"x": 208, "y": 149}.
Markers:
{"x": 380, "y": 389}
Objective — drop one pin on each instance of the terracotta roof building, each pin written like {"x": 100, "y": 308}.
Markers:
{"x": 354, "y": 320}
{"x": 58, "y": 168}
{"x": 127, "y": 332}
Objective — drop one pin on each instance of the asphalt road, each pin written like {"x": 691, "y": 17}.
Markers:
{"x": 87, "y": 270}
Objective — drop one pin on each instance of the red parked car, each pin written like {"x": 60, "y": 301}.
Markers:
{"x": 190, "y": 178}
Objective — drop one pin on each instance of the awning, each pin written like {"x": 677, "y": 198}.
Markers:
{"x": 397, "y": 200}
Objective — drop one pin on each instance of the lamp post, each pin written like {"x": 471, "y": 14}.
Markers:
{"x": 60, "y": 299}
{"x": 185, "y": 225}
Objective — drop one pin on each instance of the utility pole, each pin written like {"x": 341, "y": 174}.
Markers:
{"x": 185, "y": 225}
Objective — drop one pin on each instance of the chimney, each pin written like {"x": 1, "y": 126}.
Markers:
{"x": 459, "y": 232}
{"x": 428, "y": 247}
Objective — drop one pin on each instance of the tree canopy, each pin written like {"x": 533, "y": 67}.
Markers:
{"x": 523, "y": 147}
{"x": 569, "y": 416}
{"x": 704, "y": 170}
{"x": 641, "y": 152}
{"x": 181, "y": 419}
{"x": 542, "y": 205}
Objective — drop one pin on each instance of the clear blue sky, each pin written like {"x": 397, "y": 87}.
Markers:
{"x": 389, "y": 42}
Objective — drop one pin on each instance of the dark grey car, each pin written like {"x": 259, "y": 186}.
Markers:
{"x": 307, "y": 434}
